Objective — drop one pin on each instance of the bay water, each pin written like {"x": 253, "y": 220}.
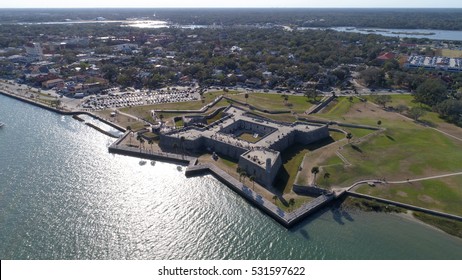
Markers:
{"x": 63, "y": 196}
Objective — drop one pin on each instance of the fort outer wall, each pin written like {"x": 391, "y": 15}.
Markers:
{"x": 262, "y": 175}
{"x": 302, "y": 137}
{"x": 200, "y": 143}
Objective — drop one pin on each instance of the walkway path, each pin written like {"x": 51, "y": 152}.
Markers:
{"x": 425, "y": 178}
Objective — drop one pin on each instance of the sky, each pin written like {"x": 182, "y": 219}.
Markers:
{"x": 231, "y": 3}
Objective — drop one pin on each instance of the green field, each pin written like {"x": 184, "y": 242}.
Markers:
{"x": 405, "y": 149}
{"x": 443, "y": 194}
{"x": 298, "y": 104}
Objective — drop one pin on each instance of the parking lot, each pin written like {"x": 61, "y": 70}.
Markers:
{"x": 115, "y": 99}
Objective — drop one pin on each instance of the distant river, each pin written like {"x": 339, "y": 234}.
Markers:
{"x": 63, "y": 196}
{"x": 404, "y": 33}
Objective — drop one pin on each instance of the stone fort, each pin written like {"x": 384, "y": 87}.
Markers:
{"x": 260, "y": 154}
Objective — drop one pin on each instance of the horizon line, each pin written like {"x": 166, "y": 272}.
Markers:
{"x": 186, "y": 7}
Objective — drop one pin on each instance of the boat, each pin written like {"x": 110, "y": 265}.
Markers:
{"x": 142, "y": 162}
{"x": 1, "y": 124}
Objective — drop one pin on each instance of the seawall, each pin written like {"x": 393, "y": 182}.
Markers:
{"x": 406, "y": 206}
{"x": 62, "y": 112}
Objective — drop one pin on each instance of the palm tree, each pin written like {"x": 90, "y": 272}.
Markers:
{"x": 252, "y": 179}
{"x": 243, "y": 174}
{"x": 150, "y": 142}
{"x": 291, "y": 202}
{"x": 349, "y": 136}
{"x": 139, "y": 138}
{"x": 142, "y": 142}
{"x": 314, "y": 171}
{"x": 326, "y": 176}
{"x": 129, "y": 128}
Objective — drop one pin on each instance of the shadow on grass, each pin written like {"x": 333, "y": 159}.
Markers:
{"x": 391, "y": 138}
{"x": 426, "y": 123}
{"x": 284, "y": 176}
{"x": 356, "y": 148}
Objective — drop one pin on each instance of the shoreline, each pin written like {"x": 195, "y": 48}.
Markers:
{"x": 287, "y": 219}
{"x": 62, "y": 112}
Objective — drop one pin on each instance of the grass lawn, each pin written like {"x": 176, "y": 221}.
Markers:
{"x": 179, "y": 123}
{"x": 277, "y": 117}
{"x": 218, "y": 116}
{"x": 298, "y": 104}
{"x": 249, "y": 137}
{"x": 338, "y": 108}
{"x": 397, "y": 154}
{"x": 336, "y": 135}
{"x": 404, "y": 150}
{"x": 284, "y": 203}
{"x": 357, "y": 132}
{"x": 444, "y": 194}
{"x": 291, "y": 160}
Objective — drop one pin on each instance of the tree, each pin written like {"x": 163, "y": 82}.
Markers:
{"x": 150, "y": 142}
{"x": 451, "y": 110}
{"x": 373, "y": 76}
{"x": 243, "y": 174}
{"x": 252, "y": 179}
{"x": 140, "y": 139}
{"x": 379, "y": 122}
{"x": 383, "y": 100}
{"x": 326, "y": 176}
{"x": 275, "y": 198}
{"x": 314, "y": 171}
{"x": 416, "y": 113}
{"x": 291, "y": 203}
{"x": 246, "y": 97}
{"x": 129, "y": 128}
{"x": 311, "y": 93}
{"x": 349, "y": 136}
{"x": 431, "y": 92}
